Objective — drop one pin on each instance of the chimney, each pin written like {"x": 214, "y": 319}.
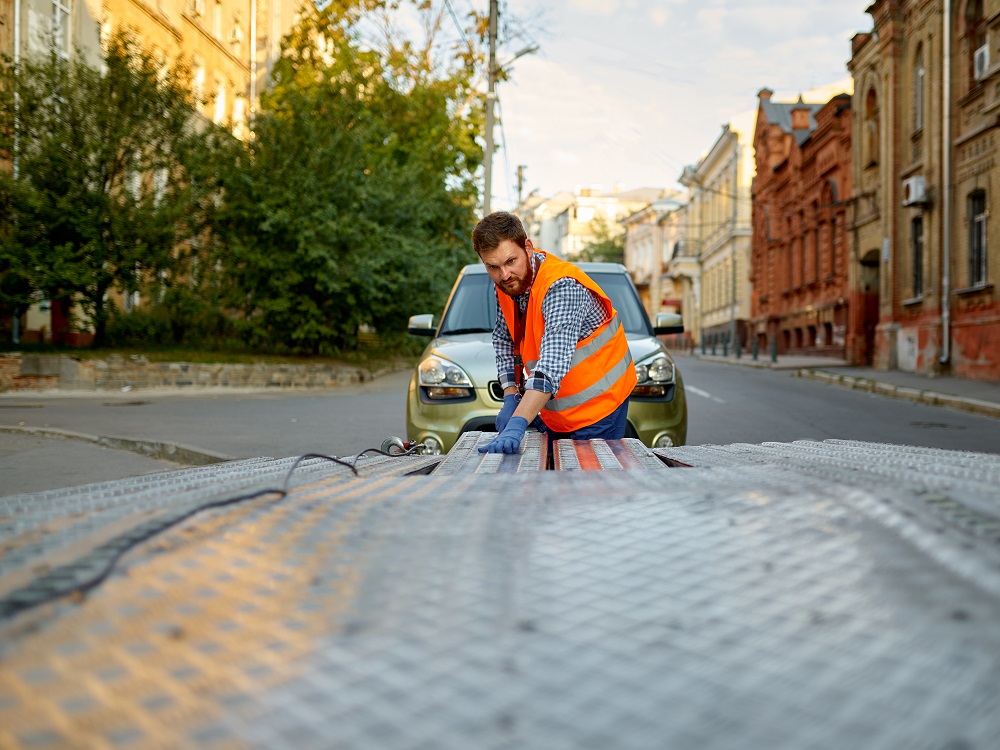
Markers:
{"x": 800, "y": 115}
{"x": 765, "y": 95}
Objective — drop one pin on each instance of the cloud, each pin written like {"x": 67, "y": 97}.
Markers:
{"x": 596, "y": 7}
{"x": 659, "y": 16}
{"x": 587, "y": 129}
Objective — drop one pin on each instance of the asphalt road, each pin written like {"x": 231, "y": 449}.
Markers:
{"x": 341, "y": 422}
{"x": 727, "y": 404}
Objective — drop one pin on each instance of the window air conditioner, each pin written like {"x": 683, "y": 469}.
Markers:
{"x": 981, "y": 61}
{"x": 914, "y": 191}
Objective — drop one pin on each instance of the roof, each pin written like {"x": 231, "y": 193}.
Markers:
{"x": 780, "y": 114}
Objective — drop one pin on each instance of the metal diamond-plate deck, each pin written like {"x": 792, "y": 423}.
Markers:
{"x": 604, "y": 455}
{"x": 767, "y": 601}
{"x": 465, "y": 458}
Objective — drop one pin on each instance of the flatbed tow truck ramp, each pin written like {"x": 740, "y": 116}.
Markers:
{"x": 795, "y": 595}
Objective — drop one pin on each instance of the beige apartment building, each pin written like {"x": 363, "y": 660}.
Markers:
{"x": 680, "y": 281}
{"x": 646, "y": 251}
{"x": 719, "y": 221}
{"x": 229, "y": 45}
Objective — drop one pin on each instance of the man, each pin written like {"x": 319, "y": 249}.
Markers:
{"x": 560, "y": 347}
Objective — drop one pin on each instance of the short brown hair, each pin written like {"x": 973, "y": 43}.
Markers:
{"x": 495, "y": 228}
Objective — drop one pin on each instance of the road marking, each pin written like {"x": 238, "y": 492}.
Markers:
{"x": 703, "y": 394}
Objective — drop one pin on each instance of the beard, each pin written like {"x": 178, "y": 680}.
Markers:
{"x": 517, "y": 285}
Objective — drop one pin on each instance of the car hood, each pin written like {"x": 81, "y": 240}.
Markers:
{"x": 473, "y": 352}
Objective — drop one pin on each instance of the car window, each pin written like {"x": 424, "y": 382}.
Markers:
{"x": 619, "y": 288}
{"x": 472, "y": 308}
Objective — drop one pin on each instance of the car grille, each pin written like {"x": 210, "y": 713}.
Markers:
{"x": 496, "y": 391}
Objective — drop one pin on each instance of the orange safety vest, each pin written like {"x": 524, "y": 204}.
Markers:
{"x": 601, "y": 375}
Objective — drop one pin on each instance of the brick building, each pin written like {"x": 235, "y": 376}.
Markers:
{"x": 802, "y": 299}
{"x": 926, "y": 103}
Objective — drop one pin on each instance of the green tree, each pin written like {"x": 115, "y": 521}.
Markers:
{"x": 354, "y": 202}
{"x": 103, "y": 192}
{"x": 607, "y": 244}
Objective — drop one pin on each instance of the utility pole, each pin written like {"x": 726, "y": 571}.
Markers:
{"x": 490, "y": 99}
{"x": 520, "y": 182}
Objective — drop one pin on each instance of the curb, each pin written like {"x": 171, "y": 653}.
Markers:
{"x": 165, "y": 451}
{"x": 930, "y": 398}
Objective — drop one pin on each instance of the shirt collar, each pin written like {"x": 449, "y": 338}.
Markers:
{"x": 535, "y": 259}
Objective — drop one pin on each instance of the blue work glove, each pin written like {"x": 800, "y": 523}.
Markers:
{"x": 510, "y": 402}
{"x": 508, "y": 441}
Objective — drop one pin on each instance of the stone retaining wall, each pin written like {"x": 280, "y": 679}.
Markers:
{"x": 37, "y": 372}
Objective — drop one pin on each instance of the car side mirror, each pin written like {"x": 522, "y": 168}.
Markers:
{"x": 667, "y": 323}
{"x": 421, "y": 325}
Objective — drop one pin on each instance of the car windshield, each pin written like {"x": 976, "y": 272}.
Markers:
{"x": 473, "y": 307}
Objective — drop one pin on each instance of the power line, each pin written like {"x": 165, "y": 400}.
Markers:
{"x": 458, "y": 26}
{"x": 503, "y": 145}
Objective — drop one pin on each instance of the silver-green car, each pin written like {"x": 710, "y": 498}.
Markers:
{"x": 454, "y": 388}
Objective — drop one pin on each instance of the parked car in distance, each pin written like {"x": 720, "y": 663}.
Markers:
{"x": 454, "y": 388}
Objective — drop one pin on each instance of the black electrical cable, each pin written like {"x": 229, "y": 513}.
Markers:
{"x": 47, "y": 588}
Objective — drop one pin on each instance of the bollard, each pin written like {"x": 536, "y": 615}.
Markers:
{"x": 725, "y": 348}
{"x": 737, "y": 346}
{"x": 753, "y": 348}
{"x": 774, "y": 350}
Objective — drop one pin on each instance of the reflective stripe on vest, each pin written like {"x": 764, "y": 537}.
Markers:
{"x": 607, "y": 380}
{"x": 591, "y": 346}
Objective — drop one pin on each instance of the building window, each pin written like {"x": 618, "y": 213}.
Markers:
{"x": 975, "y": 34}
{"x": 870, "y": 143}
{"x": 220, "y": 101}
{"x": 917, "y": 252}
{"x": 236, "y": 38}
{"x": 918, "y": 90}
{"x": 217, "y": 20}
{"x": 198, "y": 83}
{"x": 815, "y": 253}
{"x": 977, "y": 238}
{"x": 833, "y": 246}
{"x": 62, "y": 35}
{"x": 239, "y": 116}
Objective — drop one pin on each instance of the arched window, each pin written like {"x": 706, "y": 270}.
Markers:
{"x": 918, "y": 89}
{"x": 871, "y": 129}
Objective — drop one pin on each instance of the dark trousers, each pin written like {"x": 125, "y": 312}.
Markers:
{"x": 612, "y": 427}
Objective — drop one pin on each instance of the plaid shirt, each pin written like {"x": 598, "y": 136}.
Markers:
{"x": 571, "y": 313}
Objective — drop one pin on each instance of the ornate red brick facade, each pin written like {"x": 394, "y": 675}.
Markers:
{"x": 927, "y": 93}
{"x": 801, "y": 299}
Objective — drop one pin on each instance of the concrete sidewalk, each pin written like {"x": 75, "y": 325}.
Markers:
{"x": 975, "y": 396}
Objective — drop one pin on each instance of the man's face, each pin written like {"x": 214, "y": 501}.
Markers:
{"x": 509, "y": 267}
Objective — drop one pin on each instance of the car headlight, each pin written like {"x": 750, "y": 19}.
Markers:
{"x": 443, "y": 380}
{"x": 653, "y": 376}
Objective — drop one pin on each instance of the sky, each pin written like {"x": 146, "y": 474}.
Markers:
{"x": 624, "y": 93}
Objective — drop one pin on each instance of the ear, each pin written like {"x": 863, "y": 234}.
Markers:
{"x": 529, "y": 246}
